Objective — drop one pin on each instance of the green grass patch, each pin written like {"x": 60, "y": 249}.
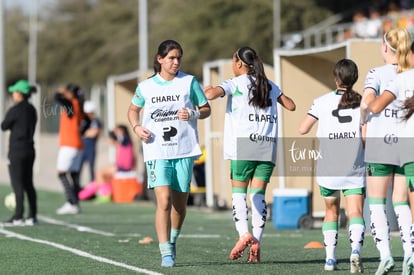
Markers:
{"x": 207, "y": 238}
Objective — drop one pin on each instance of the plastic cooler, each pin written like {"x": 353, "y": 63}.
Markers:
{"x": 289, "y": 205}
{"x": 125, "y": 187}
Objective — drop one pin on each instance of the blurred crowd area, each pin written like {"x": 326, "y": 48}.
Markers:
{"x": 379, "y": 17}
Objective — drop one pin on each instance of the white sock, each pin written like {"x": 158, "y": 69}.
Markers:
{"x": 240, "y": 213}
{"x": 356, "y": 234}
{"x": 403, "y": 213}
{"x": 412, "y": 237}
{"x": 330, "y": 238}
{"x": 259, "y": 215}
{"x": 380, "y": 229}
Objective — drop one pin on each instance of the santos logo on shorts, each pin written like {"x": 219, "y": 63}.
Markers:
{"x": 169, "y": 132}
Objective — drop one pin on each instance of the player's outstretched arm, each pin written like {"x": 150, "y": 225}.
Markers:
{"x": 287, "y": 102}
{"x": 213, "y": 92}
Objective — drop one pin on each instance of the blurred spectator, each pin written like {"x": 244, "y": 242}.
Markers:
{"x": 21, "y": 120}
{"x": 70, "y": 145}
{"x": 125, "y": 161}
{"x": 90, "y": 129}
{"x": 359, "y": 28}
{"x": 374, "y": 24}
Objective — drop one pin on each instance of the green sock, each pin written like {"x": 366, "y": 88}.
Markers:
{"x": 174, "y": 235}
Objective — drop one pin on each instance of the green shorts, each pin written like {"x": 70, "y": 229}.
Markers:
{"x": 326, "y": 192}
{"x": 176, "y": 173}
{"x": 380, "y": 170}
{"x": 242, "y": 170}
{"x": 409, "y": 175}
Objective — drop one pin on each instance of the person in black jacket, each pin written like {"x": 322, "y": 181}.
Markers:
{"x": 21, "y": 120}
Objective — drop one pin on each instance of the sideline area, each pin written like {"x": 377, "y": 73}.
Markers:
{"x": 45, "y": 176}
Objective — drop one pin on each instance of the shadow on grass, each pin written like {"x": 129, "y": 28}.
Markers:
{"x": 299, "y": 262}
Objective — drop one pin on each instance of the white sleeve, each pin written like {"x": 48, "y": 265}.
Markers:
{"x": 314, "y": 110}
{"x": 228, "y": 86}
{"x": 392, "y": 87}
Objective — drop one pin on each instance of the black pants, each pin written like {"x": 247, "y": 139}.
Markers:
{"x": 71, "y": 185}
{"x": 21, "y": 176}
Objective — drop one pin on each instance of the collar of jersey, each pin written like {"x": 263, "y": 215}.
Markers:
{"x": 339, "y": 92}
{"x": 161, "y": 81}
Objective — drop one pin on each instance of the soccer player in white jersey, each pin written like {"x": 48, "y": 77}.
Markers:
{"x": 400, "y": 92}
{"x": 250, "y": 138}
{"x": 381, "y": 157}
{"x": 173, "y": 101}
{"x": 341, "y": 167}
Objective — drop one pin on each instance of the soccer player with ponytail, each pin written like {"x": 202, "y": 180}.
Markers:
{"x": 341, "y": 167}
{"x": 381, "y": 114}
{"x": 250, "y": 141}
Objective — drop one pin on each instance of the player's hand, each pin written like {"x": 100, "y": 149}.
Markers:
{"x": 143, "y": 133}
{"x": 187, "y": 114}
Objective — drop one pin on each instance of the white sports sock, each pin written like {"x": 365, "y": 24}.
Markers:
{"x": 412, "y": 237}
{"x": 259, "y": 215}
{"x": 330, "y": 239}
{"x": 380, "y": 229}
{"x": 403, "y": 213}
{"x": 356, "y": 236}
{"x": 240, "y": 213}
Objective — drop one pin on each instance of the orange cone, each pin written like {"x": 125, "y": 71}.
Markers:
{"x": 314, "y": 245}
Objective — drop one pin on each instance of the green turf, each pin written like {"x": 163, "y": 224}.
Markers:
{"x": 207, "y": 238}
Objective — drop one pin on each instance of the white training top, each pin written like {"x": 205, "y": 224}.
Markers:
{"x": 171, "y": 137}
{"x": 250, "y": 133}
{"x": 381, "y": 133}
{"x": 340, "y": 144}
{"x": 402, "y": 88}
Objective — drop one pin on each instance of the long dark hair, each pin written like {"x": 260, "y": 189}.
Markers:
{"x": 163, "y": 49}
{"x": 259, "y": 88}
{"x": 346, "y": 74}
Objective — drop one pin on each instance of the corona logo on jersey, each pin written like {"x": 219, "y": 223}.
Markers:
{"x": 169, "y": 132}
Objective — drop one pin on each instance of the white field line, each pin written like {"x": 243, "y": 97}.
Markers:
{"x": 200, "y": 236}
{"x": 78, "y": 252}
{"x": 80, "y": 228}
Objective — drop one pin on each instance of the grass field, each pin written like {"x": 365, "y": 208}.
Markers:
{"x": 104, "y": 240}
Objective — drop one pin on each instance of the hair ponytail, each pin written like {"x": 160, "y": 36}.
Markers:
{"x": 408, "y": 107}
{"x": 259, "y": 88}
{"x": 350, "y": 99}
{"x": 346, "y": 74}
{"x": 398, "y": 40}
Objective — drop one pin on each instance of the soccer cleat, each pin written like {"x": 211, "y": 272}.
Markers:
{"x": 243, "y": 242}
{"x": 330, "y": 265}
{"x": 385, "y": 266}
{"x": 167, "y": 261}
{"x": 68, "y": 208}
{"x": 355, "y": 263}
{"x": 408, "y": 268}
{"x": 254, "y": 252}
